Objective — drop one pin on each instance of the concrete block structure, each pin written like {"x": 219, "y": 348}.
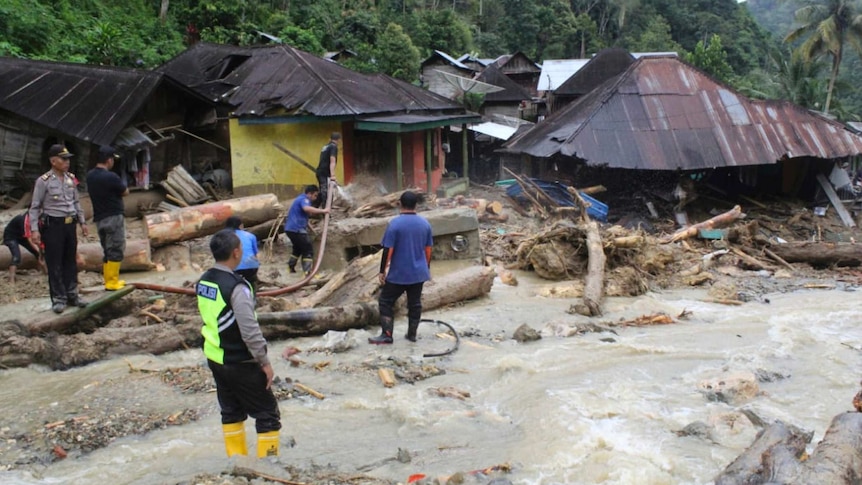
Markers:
{"x": 456, "y": 236}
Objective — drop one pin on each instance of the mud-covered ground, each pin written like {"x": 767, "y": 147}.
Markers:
{"x": 97, "y": 415}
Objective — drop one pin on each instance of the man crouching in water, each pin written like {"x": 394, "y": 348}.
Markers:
{"x": 236, "y": 351}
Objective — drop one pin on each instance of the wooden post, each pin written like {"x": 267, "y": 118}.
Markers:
{"x": 464, "y": 152}
{"x": 429, "y": 163}
{"x": 399, "y": 164}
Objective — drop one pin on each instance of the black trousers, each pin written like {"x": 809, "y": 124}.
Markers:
{"x": 242, "y": 392}
{"x": 323, "y": 185}
{"x": 61, "y": 245}
{"x": 390, "y": 293}
{"x": 14, "y": 248}
{"x": 302, "y": 246}
{"x": 250, "y": 275}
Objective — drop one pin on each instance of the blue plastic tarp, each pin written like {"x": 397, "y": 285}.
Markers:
{"x": 559, "y": 193}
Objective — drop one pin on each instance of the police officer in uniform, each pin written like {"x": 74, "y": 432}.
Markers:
{"x": 236, "y": 350}
{"x": 55, "y": 214}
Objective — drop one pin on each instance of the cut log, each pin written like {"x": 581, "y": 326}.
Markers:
{"x": 595, "y": 282}
{"x": 776, "y": 456}
{"x": 136, "y": 258}
{"x": 462, "y": 285}
{"x": 203, "y": 220}
{"x": 820, "y": 254}
{"x": 717, "y": 221}
{"x": 387, "y": 377}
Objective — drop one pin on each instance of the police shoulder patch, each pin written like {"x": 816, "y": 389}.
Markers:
{"x": 46, "y": 175}
{"x": 206, "y": 291}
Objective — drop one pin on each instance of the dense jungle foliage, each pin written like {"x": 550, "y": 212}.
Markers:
{"x": 740, "y": 43}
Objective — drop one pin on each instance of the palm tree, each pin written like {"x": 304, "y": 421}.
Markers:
{"x": 827, "y": 26}
{"x": 796, "y": 79}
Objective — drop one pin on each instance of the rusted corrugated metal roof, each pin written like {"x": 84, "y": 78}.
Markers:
{"x": 663, "y": 114}
{"x": 286, "y": 81}
{"x": 606, "y": 64}
{"x": 512, "y": 91}
{"x": 90, "y": 103}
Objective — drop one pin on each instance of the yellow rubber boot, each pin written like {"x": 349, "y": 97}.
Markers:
{"x": 234, "y": 439}
{"x": 267, "y": 444}
{"x": 112, "y": 276}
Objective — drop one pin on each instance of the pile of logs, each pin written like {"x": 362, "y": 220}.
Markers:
{"x": 385, "y": 206}
{"x": 486, "y": 210}
{"x": 182, "y": 189}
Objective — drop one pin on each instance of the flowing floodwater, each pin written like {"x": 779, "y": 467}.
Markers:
{"x": 598, "y": 408}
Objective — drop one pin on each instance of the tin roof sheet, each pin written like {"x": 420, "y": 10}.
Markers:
{"x": 90, "y": 103}
{"x": 283, "y": 80}
{"x": 663, "y": 114}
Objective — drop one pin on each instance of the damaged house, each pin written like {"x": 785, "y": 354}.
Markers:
{"x": 663, "y": 120}
{"x": 153, "y": 123}
{"x": 280, "y": 105}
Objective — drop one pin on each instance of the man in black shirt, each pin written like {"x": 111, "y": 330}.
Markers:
{"x": 326, "y": 167}
{"x": 16, "y": 234}
{"x": 107, "y": 192}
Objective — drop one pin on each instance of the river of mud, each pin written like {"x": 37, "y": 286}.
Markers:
{"x": 597, "y": 407}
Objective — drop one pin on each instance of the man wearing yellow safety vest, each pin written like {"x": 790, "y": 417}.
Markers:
{"x": 236, "y": 351}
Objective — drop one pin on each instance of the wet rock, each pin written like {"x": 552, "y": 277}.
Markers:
{"x": 769, "y": 376}
{"x": 697, "y": 428}
{"x": 730, "y": 389}
{"x": 500, "y": 481}
{"x": 525, "y": 333}
{"x": 456, "y": 479}
{"x": 403, "y": 456}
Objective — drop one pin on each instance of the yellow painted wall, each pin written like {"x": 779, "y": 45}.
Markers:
{"x": 258, "y": 167}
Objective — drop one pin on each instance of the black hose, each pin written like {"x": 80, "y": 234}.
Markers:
{"x": 452, "y": 329}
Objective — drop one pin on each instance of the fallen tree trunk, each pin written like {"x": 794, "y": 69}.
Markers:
{"x": 132, "y": 203}
{"x": 717, "y": 221}
{"x": 775, "y": 456}
{"x": 820, "y": 254}
{"x": 59, "y": 323}
{"x": 137, "y": 256}
{"x": 595, "y": 282}
{"x": 202, "y": 220}
{"x": 317, "y": 321}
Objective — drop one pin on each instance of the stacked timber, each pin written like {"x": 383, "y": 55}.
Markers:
{"x": 486, "y": 210}
{"x": 384, "y": 206}
{"x": 182, "y": 189}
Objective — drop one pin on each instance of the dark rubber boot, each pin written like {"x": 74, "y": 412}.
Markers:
{"x": 385, "y": 336}
{"x": 306, "y": 267}
{"x": 412, "y": 326}
{"x": 291, "y": 264}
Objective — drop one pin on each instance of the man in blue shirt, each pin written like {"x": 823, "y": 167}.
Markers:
{"x": 296, "y": 228}
{"x": 106, "y": 193}
{"x": 407, "y": 252}
{"x": 249, "y": 263}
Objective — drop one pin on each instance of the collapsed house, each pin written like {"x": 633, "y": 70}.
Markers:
{"x": 152, "y": 123}
{"x": 660, "y": 118}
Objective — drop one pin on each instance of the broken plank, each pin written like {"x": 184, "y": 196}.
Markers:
{"x": 845, "y": 216}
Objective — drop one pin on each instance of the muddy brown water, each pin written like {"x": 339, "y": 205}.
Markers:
{"x": 588, "y": 409}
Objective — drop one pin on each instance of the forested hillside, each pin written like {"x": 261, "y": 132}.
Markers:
{"x": 393, "y": 36}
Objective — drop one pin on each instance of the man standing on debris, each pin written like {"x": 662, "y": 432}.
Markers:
{"x": 407, "y": 253}
{"x": 326, "y": 166}
{"x": 54, "y": 215}
{"x": 16, "y": 234}
{"x": 296, "y": 228}
{"x": 106, "y": 193}
{"x": 236, "y": 350}
{"x": 249, "y": 264}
